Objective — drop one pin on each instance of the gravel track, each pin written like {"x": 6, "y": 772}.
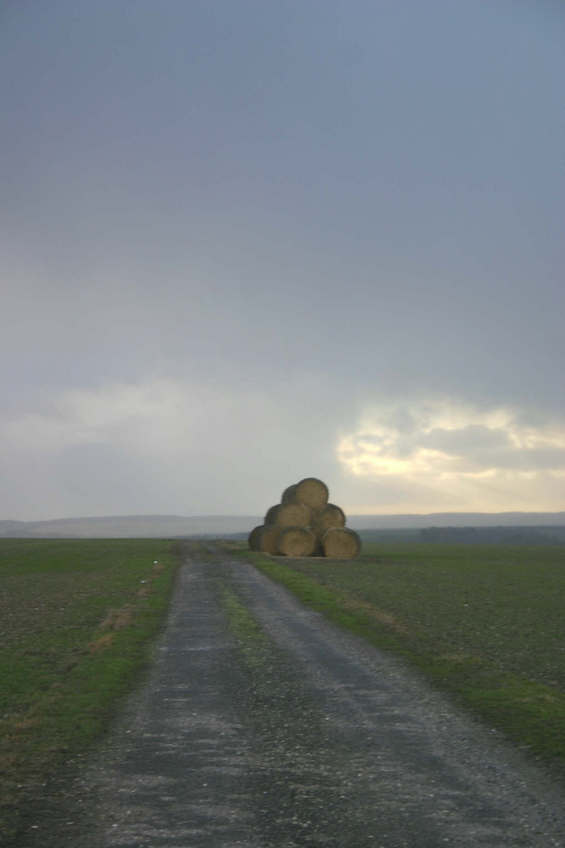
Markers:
{"x": 297, "y": 735}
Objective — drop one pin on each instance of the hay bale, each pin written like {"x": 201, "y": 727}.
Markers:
{"x": 288, "y": 496}
{"x": 312, "y": 492}
{"x": 254, "y": 538}
{"x": 327, "y": 516}
{"x": 268, "y": 539}
{"x": 293, "y": 515}
{"x": 341, "y": 543}
{"x": 271, "y": 516}
{"x": 296, "y": 542}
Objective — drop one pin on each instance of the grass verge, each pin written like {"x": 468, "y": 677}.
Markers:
{"x": 251, "y": 639}
{"x": 484, "y": 624}
{"x": 78, "y": 617}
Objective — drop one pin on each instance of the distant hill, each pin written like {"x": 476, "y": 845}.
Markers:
{"x": 166, "y": 526}
{"x": 541, "y": 535}
{"x": 8, "y": 527}
{"x": 135, "y": 526}
{"x": 457, "y": 519}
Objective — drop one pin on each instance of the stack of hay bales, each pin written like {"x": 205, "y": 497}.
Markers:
{"x": 304, "y": 524}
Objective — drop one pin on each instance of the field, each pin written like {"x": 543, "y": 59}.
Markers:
{"x": 484, "y": 623}
{"x": 76, "y": 619}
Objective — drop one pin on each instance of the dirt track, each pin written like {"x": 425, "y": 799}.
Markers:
{"x": 299, "y": 735}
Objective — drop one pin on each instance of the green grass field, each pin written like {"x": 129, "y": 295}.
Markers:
{"x": 76, "y": 620}
{"x": 484, "y": 623}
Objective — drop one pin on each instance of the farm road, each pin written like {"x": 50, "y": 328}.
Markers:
{"x": 294, "y": 734}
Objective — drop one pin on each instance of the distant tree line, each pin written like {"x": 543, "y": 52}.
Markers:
{"x": 495, "y": 535}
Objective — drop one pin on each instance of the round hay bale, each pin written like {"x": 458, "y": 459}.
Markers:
{"x": 296, "y": 542}
{"x": 268, "y": 539}
{"x": 254, "y": 538}
{"x": 341, "y": 543}
{"x": 293, "y": 515}
{"x": 271, "y": 516}
{"x": 312, "y": 492}
{"x": 288, "y": 496}
{"x": 327, "y": 516}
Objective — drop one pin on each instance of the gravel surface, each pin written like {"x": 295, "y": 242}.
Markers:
{"x": 294, "y": 734}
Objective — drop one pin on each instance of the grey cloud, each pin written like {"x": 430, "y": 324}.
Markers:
{"x": 527, "y": 459}
{"x": 180, "y": 447}
{"x": 401, "y": 420}
{"x": 482, "y": 448}
{"x": 474, "y": 438}
{"x": 253, "y": 217}
{"x": 384, "y": 492}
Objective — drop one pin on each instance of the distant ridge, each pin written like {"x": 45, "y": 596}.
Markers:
{"x": 148, "y": 526}
{"x": 458, "y": 519}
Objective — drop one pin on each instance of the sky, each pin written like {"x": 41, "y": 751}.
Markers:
{"x": 248, "y": 242}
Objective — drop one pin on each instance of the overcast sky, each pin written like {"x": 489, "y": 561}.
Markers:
{"x": 244, "y": 242}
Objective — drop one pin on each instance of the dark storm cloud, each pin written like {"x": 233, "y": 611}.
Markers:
{"x": 287, "y": 214}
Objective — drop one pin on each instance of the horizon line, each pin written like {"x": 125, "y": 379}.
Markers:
{"x": 256, "y": 514}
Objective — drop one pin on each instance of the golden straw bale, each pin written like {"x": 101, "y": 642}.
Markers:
{"x": 268, "y": 541}
{"x": 254, "y": 538}
{"x": 288, "y": 494}
{"x": 341, "y": 543}
{"x": 326, "y": 517}
{"x": 271, "y": 516}
{"x": 312, "y": 492}
{"x": 293, "y": 515}
{"x": 296, "y": 542}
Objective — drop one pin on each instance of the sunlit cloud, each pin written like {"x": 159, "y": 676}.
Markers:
{"x": 480, "y": 459}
